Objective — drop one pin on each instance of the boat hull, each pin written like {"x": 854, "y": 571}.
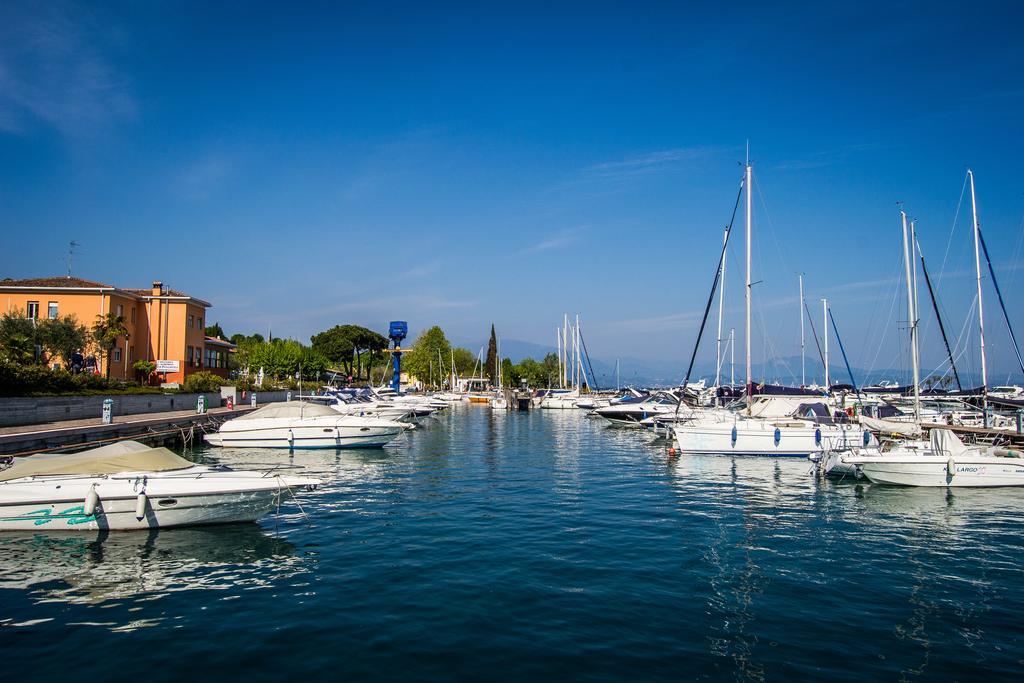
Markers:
{"x": 304, "y": 437}
{"x": 936, "y": 472}
{"x": 761, "y": 439}
{"x": 140, "y": 501}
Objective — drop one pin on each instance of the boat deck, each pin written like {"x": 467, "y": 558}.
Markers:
{"x": 985, "y": 434}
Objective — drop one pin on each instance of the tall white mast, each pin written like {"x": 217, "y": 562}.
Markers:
{"x": 565, "y": 349}
{"x": 912, "y": 319}
{"x": 721, "y": 305}
{"x": 824, "y": 312}
{"x": 750, "y": 380}
{"x": 981, "y": 309}
{"x": 558, "y": 345}
{"x": 803, "y": 363}
{"x": 579, "y": 362}
{"x": 732, "y": 356}
{"x": 616, "y": 374}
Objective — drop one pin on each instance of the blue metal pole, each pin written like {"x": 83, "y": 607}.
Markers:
{"x": 396, "y": 364}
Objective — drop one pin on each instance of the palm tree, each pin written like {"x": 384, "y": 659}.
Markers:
{"x": 107, "y": 329}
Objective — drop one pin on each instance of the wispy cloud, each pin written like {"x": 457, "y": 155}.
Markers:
{"x": 422, "y": 270}
{"x": 825, "y": 158}
{"x": 54, "y": 70}
{"x": 204, "y": 177}
{"x": 557, "y": 240}
{"x": 648, "y": 162}
{"x": 661, "y": 323}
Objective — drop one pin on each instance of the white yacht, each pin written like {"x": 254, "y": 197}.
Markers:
{"x": 812, "y": 428}
{"x": 945, "y": 461}
{"x": 129, "y": 485}
{"x": 632, "y": 411}
{"x": 560, "y": 399}
{"x": 297, "y": 424}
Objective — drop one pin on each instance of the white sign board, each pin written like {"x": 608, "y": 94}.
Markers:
{"x": 168, "y": 366}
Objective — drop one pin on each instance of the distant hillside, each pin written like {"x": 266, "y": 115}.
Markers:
{"x": 653, "y": 373}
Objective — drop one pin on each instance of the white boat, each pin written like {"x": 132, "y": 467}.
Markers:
{"x": 297, "y": 424}
{"x": 560, "y": 400}
{"x": 131, "y": 486}
{"x": 499, "y": 402}
{"x": 632, "y": 412}
{"x": 947, "y": 462}
{"x": 806, "y": 432}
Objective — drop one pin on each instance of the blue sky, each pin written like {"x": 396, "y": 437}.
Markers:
{"x": 464, "y": 164}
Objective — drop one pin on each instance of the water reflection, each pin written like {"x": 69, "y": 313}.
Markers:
{"x": 95, "y": 568}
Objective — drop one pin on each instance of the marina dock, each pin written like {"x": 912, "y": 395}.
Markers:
{"x": 176, "y": 427}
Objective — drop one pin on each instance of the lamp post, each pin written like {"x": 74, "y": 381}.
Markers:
{"x": 127, "y": 337}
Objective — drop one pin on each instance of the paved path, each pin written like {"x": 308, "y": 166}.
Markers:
{"x": 49, "y": 436}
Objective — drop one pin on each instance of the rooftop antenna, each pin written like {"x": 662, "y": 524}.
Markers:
{"x": 72, "y": 245}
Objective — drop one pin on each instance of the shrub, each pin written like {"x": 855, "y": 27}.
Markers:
{"x": 202, "y": 381}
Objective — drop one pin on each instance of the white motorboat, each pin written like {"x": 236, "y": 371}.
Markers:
{"x": 632, "y": 412}
{"x": 297, "y": 424}
{"x": 131, "y": 486}
{"x": 947, "y": 462}
{"x": 560, "y": 400}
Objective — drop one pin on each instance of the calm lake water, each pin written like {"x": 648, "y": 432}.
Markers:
{"x": 535, "y": 546}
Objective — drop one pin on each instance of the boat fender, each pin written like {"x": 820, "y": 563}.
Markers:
{"x": 291, "y": 438}
{"x": 778, "y": 436}
{"x": 140, "y": 506}
{"x": 867, "y": 438}
{"x": 817, "y": 437}
{"x": 92, "y": 499}
{"x": 951, "y": 466}
{"x": 734, "y": 435}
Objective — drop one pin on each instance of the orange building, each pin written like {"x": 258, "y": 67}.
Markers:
{"x": 165, "y": 326}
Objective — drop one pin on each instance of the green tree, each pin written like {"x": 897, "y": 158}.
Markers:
{"x": 465, "y": 361}
{"x": 62, "y": 336}
{"x": 284, "y": 359}
{"x": 429, "y": 346}
{"x": 348, "y": 345}
{"x": 215, "y": 330}
{"x": 510, "y": 373}
{"x": 108, "y": 328}
{"x": 18, "y": 339}
{"x": 144, "y": 369}
{"x": 337, "y": 346}
{"x": 490, "y": 365}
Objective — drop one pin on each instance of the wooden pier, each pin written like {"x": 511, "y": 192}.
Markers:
{"x": 980, "y": 434}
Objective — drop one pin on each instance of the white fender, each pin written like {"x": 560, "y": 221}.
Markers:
{"x": 951, "y": 466}
{"x": 291, "y": 438}
{"x": 140, "y": 506}
{"x": 92, "y": 499}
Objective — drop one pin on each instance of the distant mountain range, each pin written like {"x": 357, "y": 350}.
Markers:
{"x": 655, "y": 373}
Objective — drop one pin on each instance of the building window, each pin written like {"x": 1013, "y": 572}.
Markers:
{"x": 120, "y": 310}
{"x": 32, "y": 309}
{"x": 191, "y": 321}
{"x": 51, "y": 310}
{"x": 131, "y": 352}
{"x": 133, "y": 313}
{"x": 188, "y": 356}
{"x": 117, "y": 355}
{"x": 199, "y": 323}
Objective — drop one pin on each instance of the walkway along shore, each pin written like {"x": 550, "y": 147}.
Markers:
{"x": 176, "y": 427}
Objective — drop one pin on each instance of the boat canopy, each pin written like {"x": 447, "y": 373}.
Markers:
{"x": 945, "y": 442}
{"x": 126, "y": 456}
{"x": 817, "y": 412}
{"x": 290, "y": 409}
{"x": 893, "y": 427}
